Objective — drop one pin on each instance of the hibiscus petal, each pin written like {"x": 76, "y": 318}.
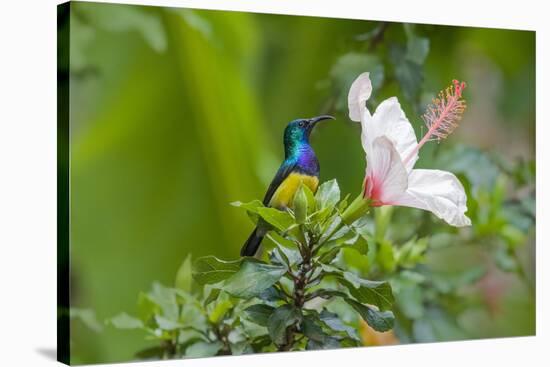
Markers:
{"x": 386, "y": 175}
{"x": 359, "y": 93}
{"x": 390, "y": 120}
{"x": 439, "y": 192}
{"x": 367, "y": 123}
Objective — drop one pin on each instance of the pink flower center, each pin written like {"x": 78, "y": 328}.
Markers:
{"x": 373, "y": 190}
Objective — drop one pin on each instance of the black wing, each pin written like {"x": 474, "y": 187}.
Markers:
{"x": 280, "y": 176}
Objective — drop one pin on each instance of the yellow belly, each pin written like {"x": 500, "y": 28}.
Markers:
{"x": 284, "y": 195}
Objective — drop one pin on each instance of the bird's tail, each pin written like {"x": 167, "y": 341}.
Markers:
{"x": 252, "y": 244}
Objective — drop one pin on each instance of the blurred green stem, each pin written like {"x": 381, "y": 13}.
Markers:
{"x": 520, "y": 272}
{"x": 358, "y": 207}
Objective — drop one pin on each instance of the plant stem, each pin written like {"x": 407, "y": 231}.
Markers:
{"x": 358, "y": 207}
{"x": 298, "y": 298}
{"x": 169, "y": 349}
{"x": 222, "y": 335}
{"x": 308, "y": 250}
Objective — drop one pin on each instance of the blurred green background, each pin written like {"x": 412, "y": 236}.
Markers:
{"x": 175, "y": 113}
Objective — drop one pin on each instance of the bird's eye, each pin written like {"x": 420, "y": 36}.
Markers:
{"x": 301, "y": 124}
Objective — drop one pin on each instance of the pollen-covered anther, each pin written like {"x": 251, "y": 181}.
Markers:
{"x": 442, "y": 116}
{"x": 445, "y": 112}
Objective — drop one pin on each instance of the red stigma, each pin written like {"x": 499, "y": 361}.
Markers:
{"x": 459, "y": 87}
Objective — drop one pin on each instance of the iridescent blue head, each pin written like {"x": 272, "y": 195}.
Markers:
{"x": 297, "y": 133}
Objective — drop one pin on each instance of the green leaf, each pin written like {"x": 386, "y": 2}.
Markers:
{"x": 385, "y": 256}
{"x": 408, "y": 73}
{"x": 372, "y": 33}
{"x": 167, "y": 324}
{"x": 282, "y": 318}
{"x": 328, "y": 343}
{"x": 252, "y": 278}
{"x": 367, "y": 291}
{"x": 529, "y": 205}
{"x": 477, "y": 167}
{"x": 411, "y": 77}
{"x": 219, "y": 311}
{"x": 259, "y": 313}
{"x": 312, "y": 329}
{"x": 411, "y": 253}
{"x": 504, "y": 260}
{"x": 378, "y": 293}
{"x": 260, "y": 342}
{"x": 361, "y": 245}
{"x": 437, "y": 325}
{"x": 300, "y": 205}
{"x": 328, "y": 256}
{"x": 334, "y": 322}
{"x": 195, "y": 21}
{"x": 165, "y": 299}
{"x": 328, "y": 195}
{"x": 352, "y": 259}
{"x": 253, "y": 330}
{"x": 279, "y": 219}
{"x": 211, "y": 293}
{"x": 289, "y": 255}
{"x": 87, "y": 316}
{"x": 343, "y": 204}
{"x": 151, "y": 353}
{"x": 379, "y": 321}
{"x": 410, "y": 301}
{"x": 317, "y": 338}
{"x": 278, "y": 256}
{"x": 184, "y": 275}
{"x": 210, "y": 269}
{"x": 417, "y": 49}
{"x": 330, "y": 293}
{"x": 342, "y": 235}
{"x": 187, "y": 336}
{"x": 332, "y": 270}
{"x": 361, "y": 241}
{"x": 203, "y": 349}
{"x": 192, "y": 315}
{"x": 251, "y": 206}
{"x": 119, "y": 18}
{"x": 320, "y": 216}
{"x": 441, "y": 240}
{"x": 310, "y": 198}
{"x": 125, "y": 321}
{"x": 240, "y": 348}
{"x": 271, "y": 294}
{"x": 346, "y": 69}
{"x": 350, "y": 343}
{"x": 280, "y": 240}
{"x": 146, "y": 307}
{"x": 512, "y": 235}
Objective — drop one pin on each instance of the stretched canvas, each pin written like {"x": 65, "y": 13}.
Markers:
{"x": 233, "y": 183}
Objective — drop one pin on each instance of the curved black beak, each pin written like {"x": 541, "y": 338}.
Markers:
{"x": 314, "y": 120}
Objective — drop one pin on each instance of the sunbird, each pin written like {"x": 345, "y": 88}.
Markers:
{"x": 300, "y": 166}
